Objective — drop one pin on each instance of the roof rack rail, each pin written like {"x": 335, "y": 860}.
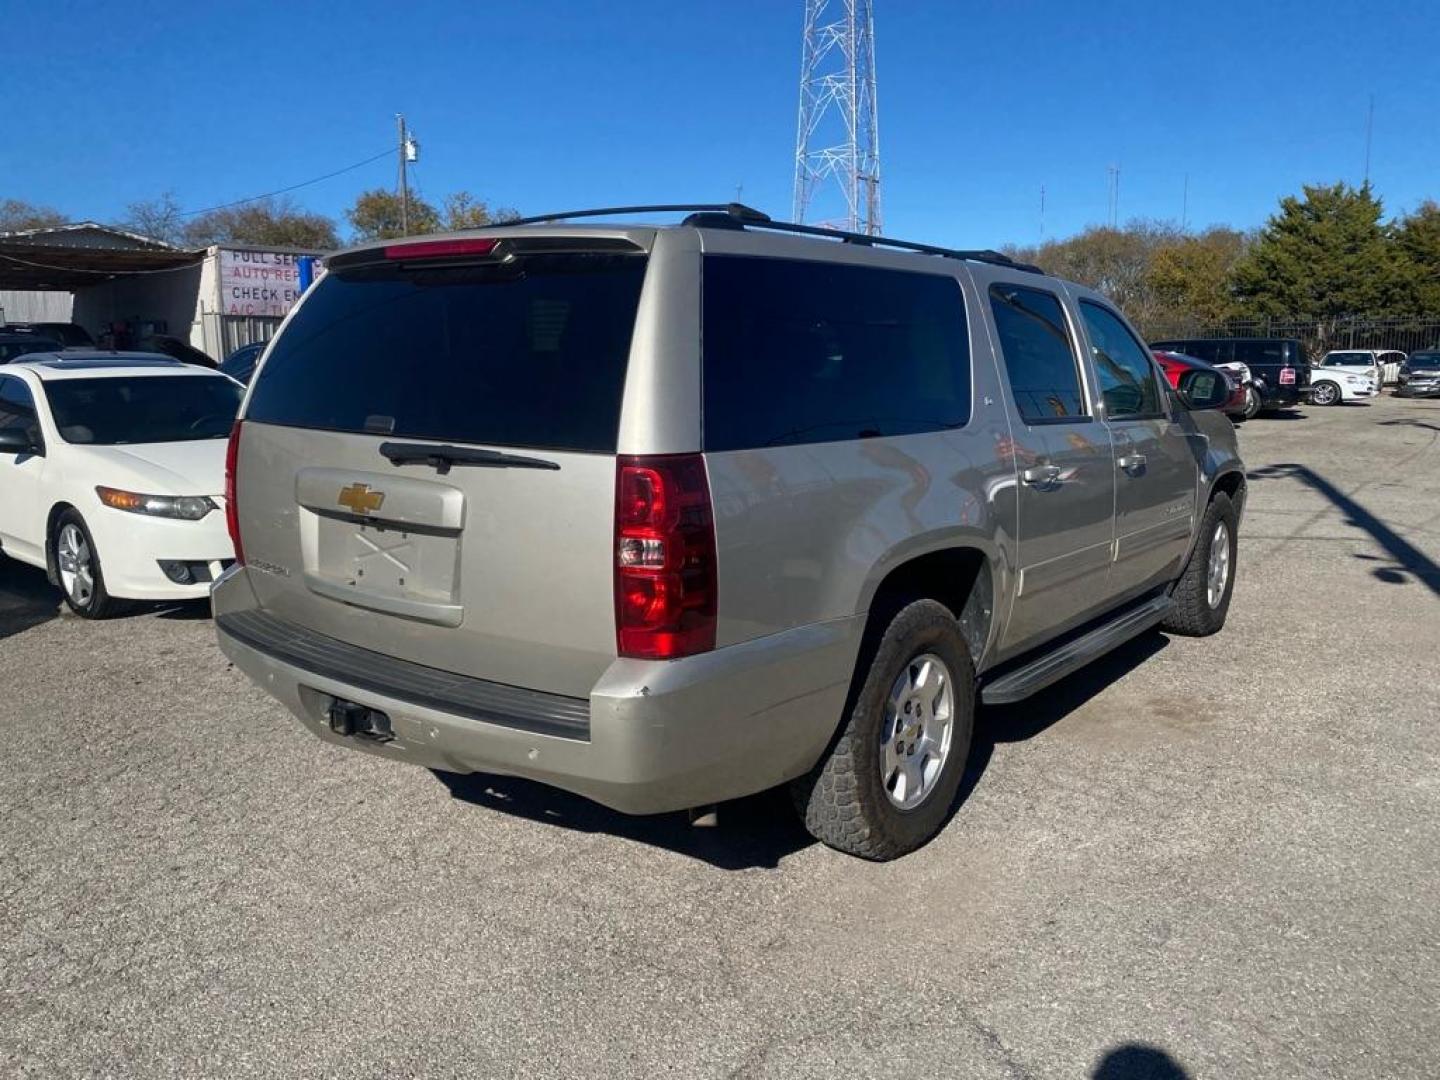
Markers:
{"x": 738, "y": 211}
{"x": 996, "y": 258}
{"x": 713, "y": 214}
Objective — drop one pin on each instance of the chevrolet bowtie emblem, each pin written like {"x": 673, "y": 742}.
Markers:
{"x": 360, "y": 499}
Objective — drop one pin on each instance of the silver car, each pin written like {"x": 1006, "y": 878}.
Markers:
{"x": 670, "y": 515}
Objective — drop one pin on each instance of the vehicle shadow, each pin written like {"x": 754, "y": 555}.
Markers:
{"x": 182, "y": 610}
{"x": 758, "y": 831}
{"x": 1409, "y": 560}
{"x": 1282, "y": 414}
{"x": 27, "y": 599}
{"x": 1408, "y": 422}
{"x": 752, "y": 833}
{"x": 1138, "y": 1061}
{"x": 1026, "y": 719}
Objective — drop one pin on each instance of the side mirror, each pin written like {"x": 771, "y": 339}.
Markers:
{"x": 1203, "y": 389}
{"x": 15, "y": 441}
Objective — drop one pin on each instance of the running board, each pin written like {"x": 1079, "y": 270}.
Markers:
{"x": 1070, "y": 657}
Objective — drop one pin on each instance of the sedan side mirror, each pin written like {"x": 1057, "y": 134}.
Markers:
{"x": 15, "y": 441}
{"x": 1203, "y": 389}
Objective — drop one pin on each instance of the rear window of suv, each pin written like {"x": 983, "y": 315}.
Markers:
{"x": 528, "y": 353}
{"x": 808, "y": 352}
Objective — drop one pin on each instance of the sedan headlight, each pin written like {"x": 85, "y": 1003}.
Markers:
{"x": 188, "y": 507}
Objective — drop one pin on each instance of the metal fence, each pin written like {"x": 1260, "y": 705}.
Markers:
{"x": 1407, "y": 335}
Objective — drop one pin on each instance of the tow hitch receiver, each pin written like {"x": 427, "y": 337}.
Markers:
{"x": 361, "y": 721}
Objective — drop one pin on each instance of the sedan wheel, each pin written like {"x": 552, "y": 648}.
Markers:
{"x": 77, "y": 566}
{"x": 1325, "y": 393}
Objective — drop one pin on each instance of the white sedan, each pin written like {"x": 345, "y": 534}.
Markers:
{"x": 112, "y": 473}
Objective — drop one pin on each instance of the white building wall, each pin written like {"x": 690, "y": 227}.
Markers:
{"x": 36, "y": 306}
{"x": 170, "y": 298}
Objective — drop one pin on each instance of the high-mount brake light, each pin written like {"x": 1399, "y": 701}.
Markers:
{"x": 665, "y": 574}
{"x": 440, "y": 249}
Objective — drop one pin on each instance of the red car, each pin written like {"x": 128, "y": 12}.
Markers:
{"x": 1175, "y": 364}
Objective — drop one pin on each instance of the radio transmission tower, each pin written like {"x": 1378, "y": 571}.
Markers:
{"x": 837, "y": 140}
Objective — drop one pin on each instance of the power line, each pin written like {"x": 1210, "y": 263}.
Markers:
{"x": 103, "y": 273}
{"x": 292, "y": 187}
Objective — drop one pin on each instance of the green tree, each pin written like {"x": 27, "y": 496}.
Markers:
{"x": 16, "y": 214}
{"x": 375, "y": 215}
{"x": 1189, "y": 280}
{"x": 160, "y": 218}
{"x": 464, "y": 211}
{"x": 1324, "y": 256}
{"x": 1114, "y": 261}
{"x": 264, "y": 222}
{"x": 1417, "y": 238}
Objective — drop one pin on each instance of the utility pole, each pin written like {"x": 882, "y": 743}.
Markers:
{"x": 837, "y": 138}
{"x": 409, "y": 151}
{"x": 1042, "y": 213}
{"x": 1185, "y": 205}
{"x": 1113, "y": 174}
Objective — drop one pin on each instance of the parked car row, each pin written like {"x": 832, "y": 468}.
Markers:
{"x": 18, "y": 339}
{"x": 1274, "y": 373}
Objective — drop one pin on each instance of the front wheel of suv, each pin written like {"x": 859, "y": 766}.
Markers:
{"x": 1202, "y": 595}
{"x": 887, "y": 784}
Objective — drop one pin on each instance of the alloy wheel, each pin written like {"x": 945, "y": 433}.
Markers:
{"x": 77, "y": 565}
{"x": 1217, "y": 574}
{"x": 916, "y": 732}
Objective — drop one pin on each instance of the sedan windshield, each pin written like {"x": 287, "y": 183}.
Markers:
{"x": 1425, "y": 360}
{"x": 143, "y": 409}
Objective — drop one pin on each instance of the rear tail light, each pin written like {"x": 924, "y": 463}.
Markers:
{"x": 665, "y": 577}
{"x": 232, "y": 510}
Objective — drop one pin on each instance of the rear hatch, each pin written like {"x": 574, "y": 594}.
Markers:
{"x": 426, "y": 465}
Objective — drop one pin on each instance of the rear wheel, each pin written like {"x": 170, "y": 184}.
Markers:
{"x": 78, "y": 565}
{"x": 1252, "y": 403}
{"x": 1202, "y": 595}
{"x": 888, "y": 783}
{"x": 1325, "y": 393}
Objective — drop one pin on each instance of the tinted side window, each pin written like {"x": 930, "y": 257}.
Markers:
{"x": 17, "y": 407}
{"x": 1209, "y": 351}
{"x": 1035, "y": 343}
{"x": 1126, "y": 372}
{"x": 807, "y": 352}
{"x": 1258, "y": 353}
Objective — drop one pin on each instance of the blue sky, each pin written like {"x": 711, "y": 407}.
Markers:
{"x": 553, "y": 105}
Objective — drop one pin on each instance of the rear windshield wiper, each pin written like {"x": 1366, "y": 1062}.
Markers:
{"x": 443, "y": 457}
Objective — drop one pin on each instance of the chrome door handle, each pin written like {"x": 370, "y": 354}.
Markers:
{"x": 1131, "y": 463}
{"x": 1041, "y": 475}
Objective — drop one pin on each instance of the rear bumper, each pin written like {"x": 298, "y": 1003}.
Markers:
{"x": 1411, "y": 389}
{"x": 662, "y": 735}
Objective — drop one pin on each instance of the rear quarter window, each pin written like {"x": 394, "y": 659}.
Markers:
{"x": 807, "y": 352}
{"x": 530, "y": 353}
